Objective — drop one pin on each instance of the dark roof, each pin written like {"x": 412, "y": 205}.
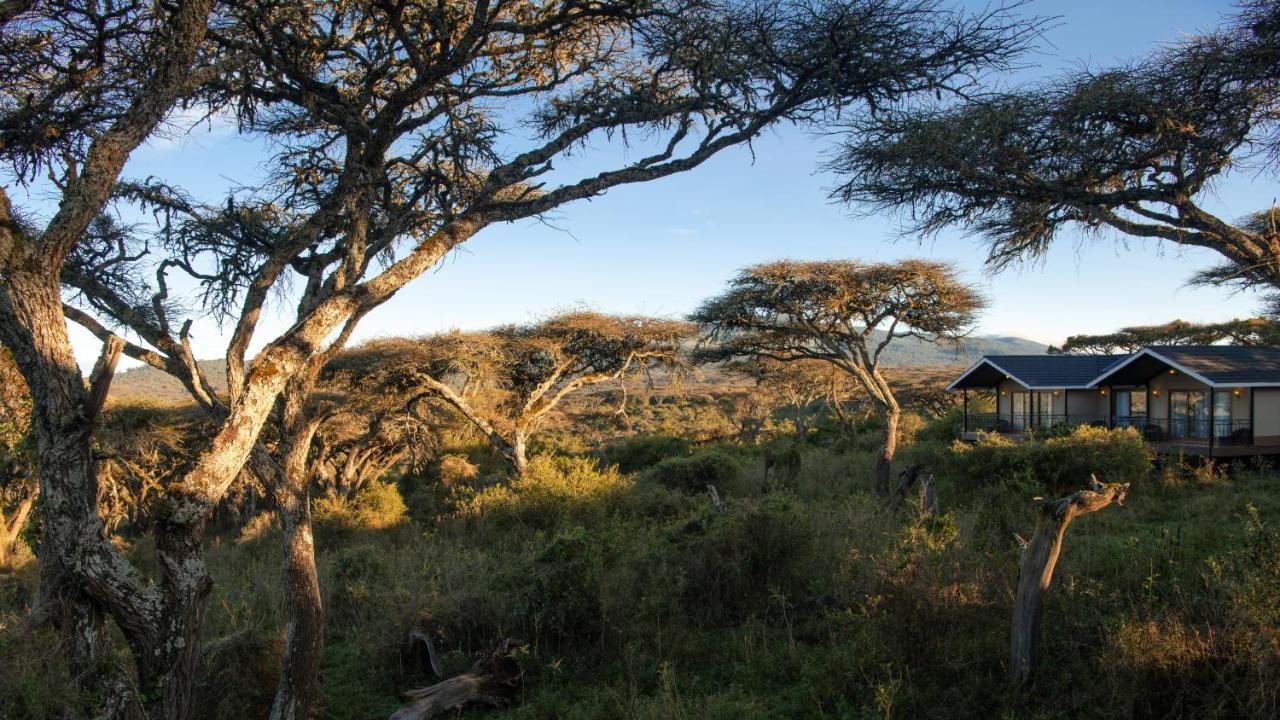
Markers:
{"x": 1038, "y": 371}
{"x": 1216, "y": 364}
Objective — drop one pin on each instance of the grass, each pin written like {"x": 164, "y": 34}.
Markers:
{"x": 639, "y": 600}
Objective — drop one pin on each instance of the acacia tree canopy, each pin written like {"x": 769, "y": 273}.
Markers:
{"x": 1133, "y": 149}
{"x": 841, "y": 312}
{"x": 508, "y": 380}
{"x": 1251, "y": 331}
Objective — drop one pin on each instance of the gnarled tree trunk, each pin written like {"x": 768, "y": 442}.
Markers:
{"x": 889, "y": 445}
{"x": 299, "y": 682}
{"x": 1036, "y": 574}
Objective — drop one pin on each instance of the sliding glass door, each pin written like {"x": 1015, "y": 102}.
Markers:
{"x": 1221, "y": 415}
{"x": 1188, "y": 414}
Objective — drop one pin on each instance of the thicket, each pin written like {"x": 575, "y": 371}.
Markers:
{"x": 640, "y": 599}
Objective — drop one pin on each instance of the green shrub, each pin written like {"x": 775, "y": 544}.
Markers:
{"x": 1056, "y": 465}
{"x": 643, "y": 451}
{"x": 741, "y": 562}
{"x": 552, "y": 491}
{"x": 376, "y": 506}
{"x": 692, "y": 474}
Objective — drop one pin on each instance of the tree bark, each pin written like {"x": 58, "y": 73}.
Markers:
{"x": 299, "y": 683}
{"x": 884, "y": 456}
{"x": 1036, "y": 573}
{"x": 494, "y": 680}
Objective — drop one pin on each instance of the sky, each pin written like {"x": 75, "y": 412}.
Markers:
{"x": 661, "y": 248}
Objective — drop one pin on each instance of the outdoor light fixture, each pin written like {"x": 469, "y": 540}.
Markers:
{"x": 1103, "y": 391}
{"x": 1156, "y": 393}
{"x": 1172, "y": 371}
{"x": 1237, "y": 392}
{"x": 1056, "y": 393}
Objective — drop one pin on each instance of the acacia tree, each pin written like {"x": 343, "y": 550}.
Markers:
{"x": 841, "y": 312}
{"x": 1251, "y": 331}
{"x": 507, "y": 381}
{"x": 800, "y": 389}
{"x": 84, "y": 85}
{"x": 1134, "y": 149}
{"x": 402, "y": 129}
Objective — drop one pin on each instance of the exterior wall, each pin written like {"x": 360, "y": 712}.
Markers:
{"x": 1266, "y": 422}
{"x": 1087, "y": 403}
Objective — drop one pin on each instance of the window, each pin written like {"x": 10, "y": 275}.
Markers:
{"x": 1131, "y": 403}
{"x": 1021, "y": 409}
{"x": 1221, "y": 414}
{"x": 1188, "y": 415}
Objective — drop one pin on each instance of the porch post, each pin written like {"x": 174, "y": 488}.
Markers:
{"x": 1066, "y": 406}
{"x": 1252, "y": 436}
{"x": 966, "y": 409}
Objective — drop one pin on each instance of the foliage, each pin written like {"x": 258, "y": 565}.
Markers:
{"x": 377, "y": 506}
{"x": 1134, "y": 148}
{"x": 1252, "y": 331}
{"x": 638, "y": 452}
{"x": 692, "y": 474}
{"x": 1055, "y": 465}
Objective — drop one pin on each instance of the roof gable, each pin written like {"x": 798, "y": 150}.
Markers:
{"x": 1216, "y": 365}
{"x": 1037, "y": 371}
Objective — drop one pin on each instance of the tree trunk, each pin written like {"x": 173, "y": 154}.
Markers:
{"x": 1036, "y": 573}
{"x": 167, "y": 649}
{"x": 299, "y": 683}
{"x": 884, "y": 456}
{"x": 519, "y": 454}
{"x": 494, "y": 680}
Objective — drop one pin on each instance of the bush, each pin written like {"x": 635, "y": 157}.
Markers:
{"x": 376, "y": 506}
{"x": 1055, "y": 465}
{"x": 643, "y": 451}
{"x": 554, "y": 490}
{"x": 692, "y": 474}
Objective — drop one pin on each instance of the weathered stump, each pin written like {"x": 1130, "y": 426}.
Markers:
{"x": 493, "y": 680}
{"x": 928, "y": 493}
{"x": 1036, "y": 573}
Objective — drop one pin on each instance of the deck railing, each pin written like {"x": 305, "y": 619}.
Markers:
{"x": 1023, "y": 422}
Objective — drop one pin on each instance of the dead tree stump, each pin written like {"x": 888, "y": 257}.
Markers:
{"x": 928, "y": 491}
{"x": 1038, "y": 563}
{"x": 493, "y": 680}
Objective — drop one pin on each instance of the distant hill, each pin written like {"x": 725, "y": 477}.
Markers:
{"x": 146, "y": 384}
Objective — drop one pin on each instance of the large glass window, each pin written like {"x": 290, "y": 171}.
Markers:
{"x": 1043, "y": 408}
{"x": 1131, "y": 403}
{"x": 1021, "y": 409}
{"x": 1221, "y": 415}
{"x": 1188, "y": 414}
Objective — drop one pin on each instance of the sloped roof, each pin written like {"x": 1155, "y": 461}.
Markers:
{"x": 1037, "y": 371}
{"x": 1216, "y": 365}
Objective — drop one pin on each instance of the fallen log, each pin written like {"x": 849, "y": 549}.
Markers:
{"x": 1036, "y": 572}
{"x": 494, "y": 680}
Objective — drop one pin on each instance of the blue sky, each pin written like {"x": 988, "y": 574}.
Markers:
{"x": 661, "y": 248}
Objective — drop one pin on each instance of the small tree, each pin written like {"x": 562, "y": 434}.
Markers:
{"x": 507, "y": 381}
{"x": 1135, "y": 149}
{"x": 799, "y": 390}
{"x": 841, "y": 312}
